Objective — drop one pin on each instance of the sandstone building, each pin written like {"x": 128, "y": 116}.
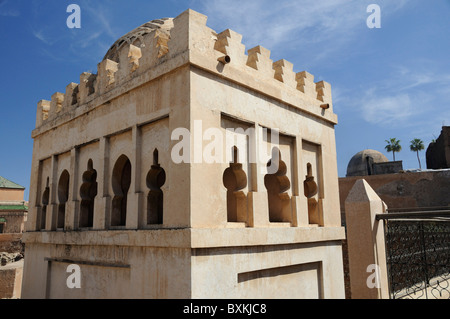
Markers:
{"x": 13, "y": 209}
{"x": 110, "y": 194}
{"x": 13, "y": 214}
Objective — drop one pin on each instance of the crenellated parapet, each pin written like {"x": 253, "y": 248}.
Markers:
{"x": 259, "y": 59}
{"x": 56, "y": 103}
{"x": 284, "y": 72}
{"x": 185, "y": 153}
{"x": 230, "y": 43}
{"x": 42, "y": 111}
{"x": 106, "y": 78}
{"x": 86, "y": 87}
{"x": 71, "y": 96}
{"x": 160, "y": 46}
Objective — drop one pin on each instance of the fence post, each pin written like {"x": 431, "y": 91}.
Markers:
{"x": 366, "y": 243}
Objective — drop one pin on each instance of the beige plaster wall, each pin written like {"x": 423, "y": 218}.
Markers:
{"x": 126, "y": 270}
{"x": 310, "y": 271}
{"x": 133, "y": 112}
{"x": 211, "y": 100}
{"x": 187, "y": 263}
{"x": 125, "y": 125}
{"x": 7, "y": 194}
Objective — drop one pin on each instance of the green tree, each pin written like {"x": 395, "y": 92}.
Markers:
{"x": 417, "y": 146}
{"x": 393, "y": 146}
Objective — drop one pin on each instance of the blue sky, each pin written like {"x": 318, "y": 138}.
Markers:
{"x": 388, "y": 82}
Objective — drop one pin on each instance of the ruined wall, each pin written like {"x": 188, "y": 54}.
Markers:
{"x": 387, "y": 168}
{"x": 11, "y": 243}
{"x": 406, "y": 190}
{"x": 11, "y": 280}
{"x": 14, "y": 222}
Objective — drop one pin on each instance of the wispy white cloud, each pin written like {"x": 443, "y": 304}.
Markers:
{"x": 7, "y": 11}
{"x": 273, "y": 23}
{"x": 89, "y": 42}
{"x": 322, "y": 29}
{"x": 40, "y": 35}
{"x": 85, "y": 42}
{"x": 328, "y": 24}
{"x": 387, "y": 109}
{"x": 98, "y": 31}
{"x": 409, "y": 96}
{"x": 419, "y": 77}
{"x": 51, "y": 56}
{"x": 99, "y": 17}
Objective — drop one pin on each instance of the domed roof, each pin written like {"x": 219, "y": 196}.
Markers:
{"x": 361, "y": 163}
{"x": 136, "y": 35}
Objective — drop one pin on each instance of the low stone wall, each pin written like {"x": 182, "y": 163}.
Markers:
{"x": 408, "y": 190}
{"x": 11, "y": 280}
{"x": 11, "y": 265}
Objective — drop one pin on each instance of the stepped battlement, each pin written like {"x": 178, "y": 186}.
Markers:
{"x": 160, "y": 46}
{"x": 186, "y": 154}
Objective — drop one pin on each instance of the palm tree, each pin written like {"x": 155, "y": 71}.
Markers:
{"x": 393, "y": 146}
{"x": 417, "y": 146}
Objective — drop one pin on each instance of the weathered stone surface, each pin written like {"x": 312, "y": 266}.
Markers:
{"x": 8, "y": 258}
{"x": 109, "y": 195}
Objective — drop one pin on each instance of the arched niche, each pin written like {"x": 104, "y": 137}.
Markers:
{"x": 310, "y": 191}
{"x": 121, "y": 181}
{"x": 42, "y": 218}
{"x": 63, "y": 196}
{"x": 88, "y": 192}
{"x": 235, "y": 180}
{"x": 156, "y": 178}
{"x": 277, "y": 185}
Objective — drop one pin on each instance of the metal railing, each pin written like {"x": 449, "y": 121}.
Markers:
{"x": 418, "y": 254}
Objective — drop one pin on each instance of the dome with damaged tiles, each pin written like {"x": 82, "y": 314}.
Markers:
{"x": 135, "y": 37}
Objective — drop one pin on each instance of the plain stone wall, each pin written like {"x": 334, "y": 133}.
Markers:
{"x": 11, "y": 280}
{"x": 304, "y": 271}
{"x": 366, "y": 243}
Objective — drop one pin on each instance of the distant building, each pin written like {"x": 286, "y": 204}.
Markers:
{"x": 409, "y": 190}
{"x": 13, "y": 215}
{"x": 13, "y": 209}
{"x": 371, "y": 162}
{"x": 438, "y": 152}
